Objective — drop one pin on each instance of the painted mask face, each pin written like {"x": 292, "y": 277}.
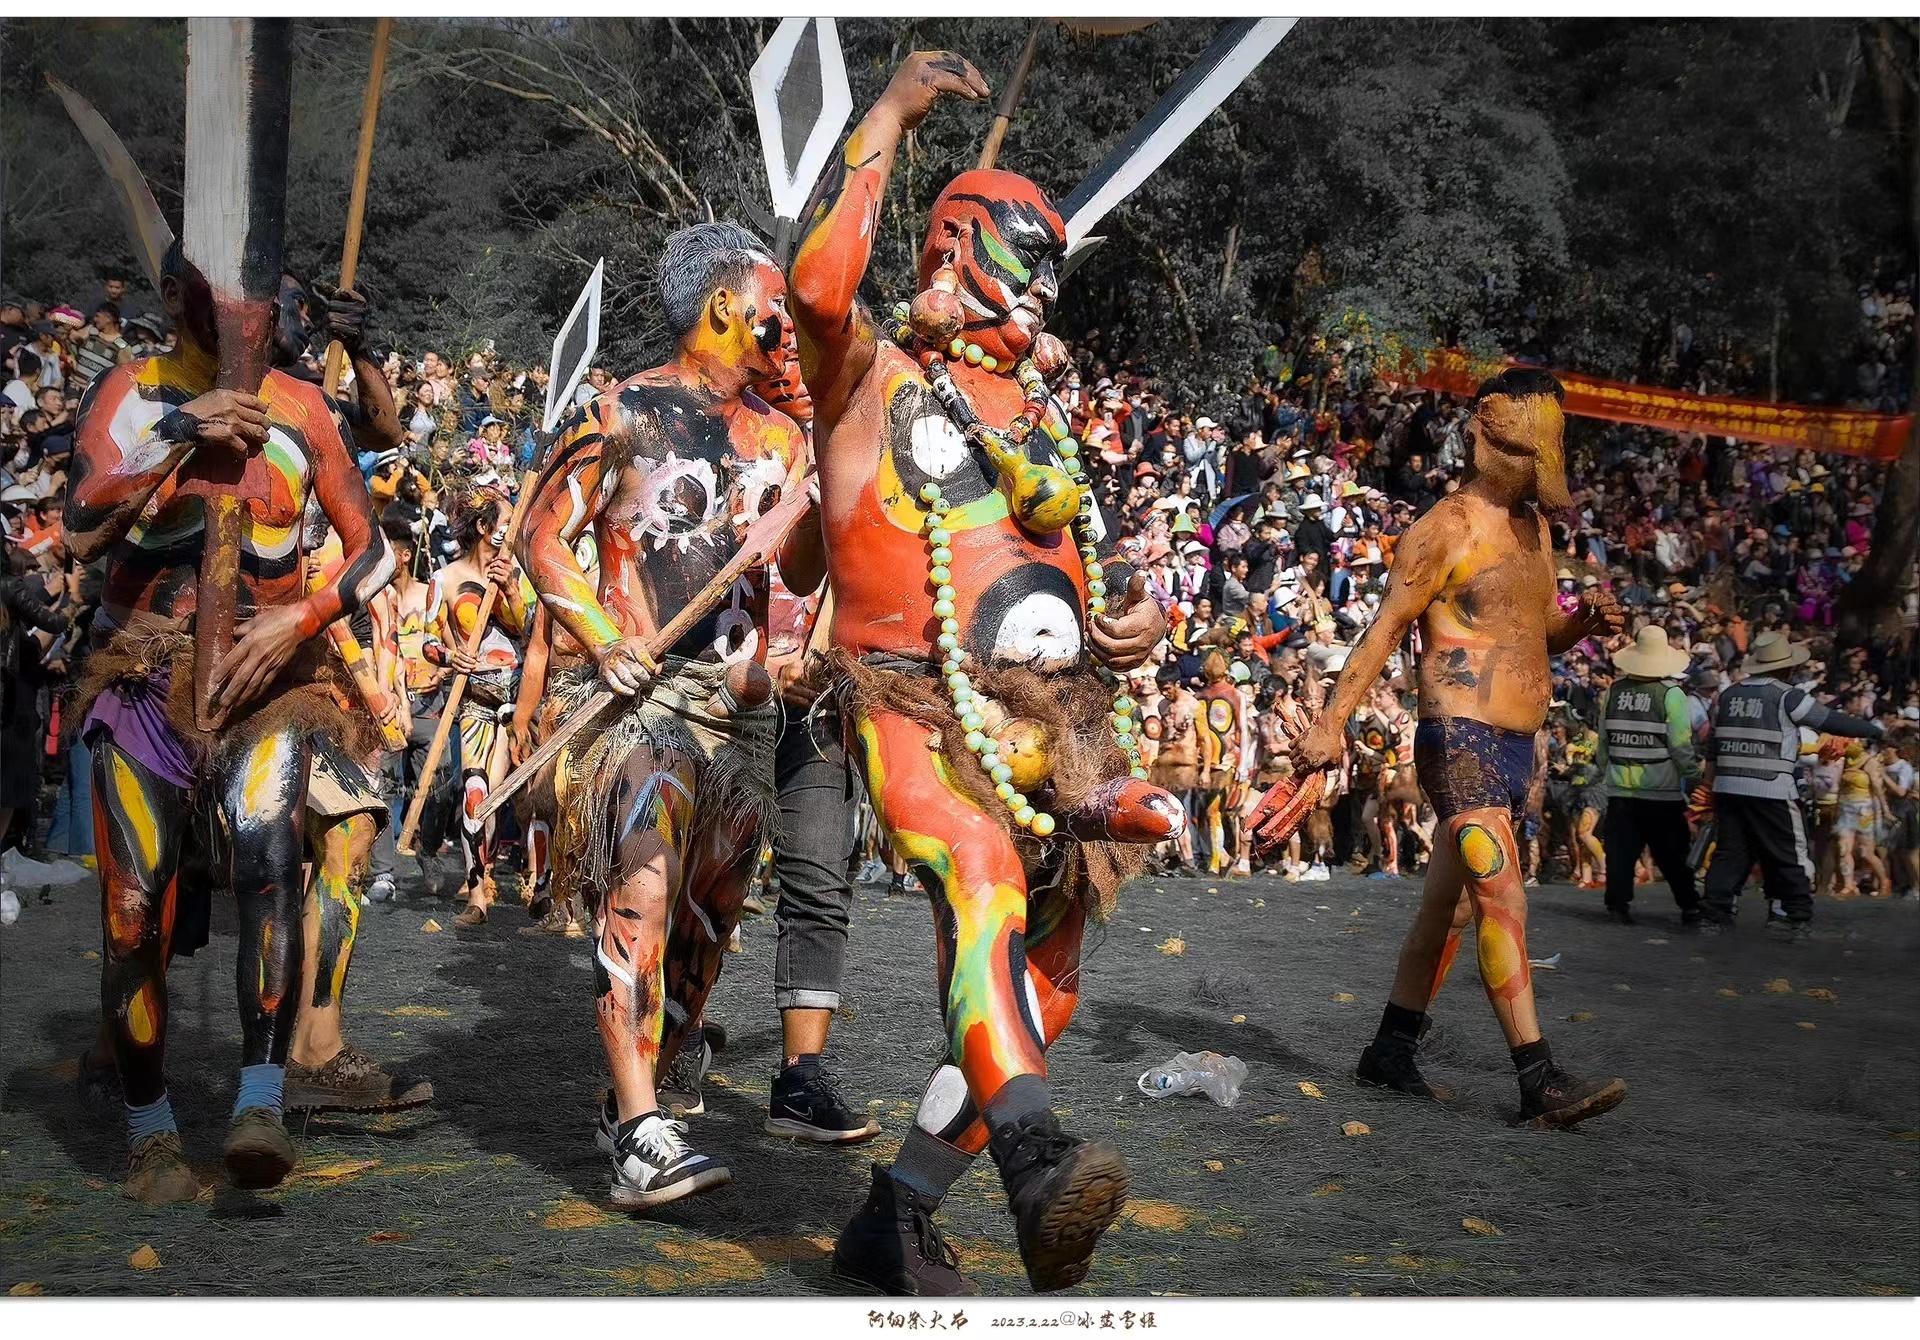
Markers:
{"x": 771, "y": 345}
{"x": 292, "y": 332}
{"x": 1521, "y": 445}
{"x": 1006, "y": 241}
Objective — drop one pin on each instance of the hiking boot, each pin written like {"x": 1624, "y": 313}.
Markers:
{"x": 806, "y": 1105}
{"x": 1390, "y": 1065}
{"x": 557, "y": 920}
{"x": 678, "y": 1089}
{"x": 893, "y": 1245}
{"x": 157, "y": 1171}
{"x": 1062, "y": 1192}
{"x": 257, "y": 1151}
{"x": 1620, "y": 916}
{"x": 652, "y": 1164}
{"x": 473, "y": 914}
{"x": 351, "y": 1082}
{"x": 1562, "y": 1100}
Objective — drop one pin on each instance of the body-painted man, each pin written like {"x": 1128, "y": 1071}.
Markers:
{"x": 153, "y": 766}
{"x": 958, "y": 473}
{"x": 459, "y": 589}
{"x": 345, "y": 813}
{"x": 1476, "y": 572}
{"x": 1225, "y": 758}
{"x": 662, "y": 812}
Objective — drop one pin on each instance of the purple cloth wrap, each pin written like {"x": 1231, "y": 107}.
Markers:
{"x": 134, "y": 717}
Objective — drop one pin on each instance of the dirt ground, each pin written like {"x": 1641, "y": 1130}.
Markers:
{"x": 1770, "y": 1143}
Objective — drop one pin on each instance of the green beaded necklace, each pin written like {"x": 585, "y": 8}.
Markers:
{"x": 1126, "y": 731}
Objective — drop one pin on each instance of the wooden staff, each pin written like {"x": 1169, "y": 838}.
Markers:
{"x": 1010, "y": 99}
{"x": 357, "y": 204}
{"x": 762, "y": 539}
{"x": 339, "y": 632}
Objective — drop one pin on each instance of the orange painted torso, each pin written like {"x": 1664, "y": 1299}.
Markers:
{"x": 1018, "y": 595}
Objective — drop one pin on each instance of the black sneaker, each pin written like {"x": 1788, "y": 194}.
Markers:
{"x": 1562, "y": 1100}
{"x": 1691, "y": 918}
{"x": 806, "y": 1105}
{"x": 1390, "y": 1065}
{"x": 679, "y": 1088}
{"x": 1063, "y": 1193}
{"x": 1621, "y": 916}
{"x": 652, "y": 1164}
{"x": 893, "y": 1245}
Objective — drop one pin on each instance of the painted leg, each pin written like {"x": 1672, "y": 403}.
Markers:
{"x": 720, "y": 868}
{"x": 332, "y": 920}
{"x": 1490, "y": 856}
{"x": 478, "y": 734}
{"x": 651, "y": 809}
{"x": 139, "y": 823}
{"x": 263, "y": 801}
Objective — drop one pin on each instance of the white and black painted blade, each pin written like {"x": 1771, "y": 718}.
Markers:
{"x": 802, "y": 103}
{"x": 1203, "y": 86}
{"x": 573, "y": 350}
{"x": 147, "y": 227}
{"x": 234, "y": 224}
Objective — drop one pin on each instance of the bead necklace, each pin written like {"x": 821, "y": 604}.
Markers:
{"x": 967, "y": 703}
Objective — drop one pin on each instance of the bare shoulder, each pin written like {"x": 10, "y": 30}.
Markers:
{"x": 1433, "y": 539}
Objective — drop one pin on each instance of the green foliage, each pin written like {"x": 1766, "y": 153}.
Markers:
{"x": 1436, "y": 175}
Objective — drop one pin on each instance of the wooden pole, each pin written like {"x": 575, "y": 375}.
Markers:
{"x": 357, "y": 205}
{"x": 1010, "y": 99}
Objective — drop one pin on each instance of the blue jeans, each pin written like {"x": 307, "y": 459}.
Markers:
{"x": 72, "y": 831}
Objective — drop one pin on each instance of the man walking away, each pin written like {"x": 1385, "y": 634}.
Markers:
{"x": 1756, "y": 744}
{"x": 1646, "y": 754}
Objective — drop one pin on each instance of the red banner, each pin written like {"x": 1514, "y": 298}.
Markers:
{"x": 1880, "y": 437}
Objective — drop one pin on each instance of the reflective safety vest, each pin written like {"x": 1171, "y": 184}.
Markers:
{"x": 1756, "y": 740}
{"x": 1646, "y": 758}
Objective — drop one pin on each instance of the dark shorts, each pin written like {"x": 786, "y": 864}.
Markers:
{"x": 1465, "y": 764}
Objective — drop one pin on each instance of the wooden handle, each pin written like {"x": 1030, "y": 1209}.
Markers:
{"x": 357, "y": 205}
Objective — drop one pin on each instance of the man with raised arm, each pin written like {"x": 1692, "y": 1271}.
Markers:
{"x": 979, "y": 606}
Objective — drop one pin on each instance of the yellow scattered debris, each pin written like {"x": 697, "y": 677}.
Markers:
{"x": 146, "y": 1258}
{"x": 1480, "y": 1228}
{"x": 1173, "y": 946}
{"x": 1310, "y": 1089}
{"x": 431, "y": 926}
{"x": 1355, "y": 1128}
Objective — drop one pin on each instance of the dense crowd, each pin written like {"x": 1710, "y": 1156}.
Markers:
{"x": 1266, "y": 523}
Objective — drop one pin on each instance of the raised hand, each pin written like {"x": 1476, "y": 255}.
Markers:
{"x": 923, "y": 77}
{"x": 1127, "y": 635}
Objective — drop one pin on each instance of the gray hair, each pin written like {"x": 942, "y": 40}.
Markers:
{"x": 699, "y": 260}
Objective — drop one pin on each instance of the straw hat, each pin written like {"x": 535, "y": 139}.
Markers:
{"x": 1772, "y": 651}
{"x": 1651, "y": 656}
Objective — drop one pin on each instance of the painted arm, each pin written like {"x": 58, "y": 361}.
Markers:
{"x": 533, "y": 679}
{"x": 1419, "y": 574}
{"x": 802, "y": 558}
{"x": 125, "y": 448}
{"x": 565, "y": 501}
{"x": 366, "y": 558}
{"x": 1597, "y": 615}
{"x": 837, "y": 339}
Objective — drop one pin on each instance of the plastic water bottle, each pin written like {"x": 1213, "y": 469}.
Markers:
{"x": 1217, "y": 1076}
{"x": 9, "y": 900}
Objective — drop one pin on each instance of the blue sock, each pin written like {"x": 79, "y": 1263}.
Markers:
{"x": 150, "y": 1119}
{"x": 260, "y": 1086}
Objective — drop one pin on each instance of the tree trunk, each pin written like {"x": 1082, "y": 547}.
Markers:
{"x": 1869, "y": 608}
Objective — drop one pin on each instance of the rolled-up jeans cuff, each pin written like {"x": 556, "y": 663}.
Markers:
{"x": 806, "y": 1000}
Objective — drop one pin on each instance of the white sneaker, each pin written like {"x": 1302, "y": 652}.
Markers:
{"x": 1317, "y": 872}
{"x": 652, "y": 1165}
{"x": 382, "y": 888}
{"x": 873, "y": 872}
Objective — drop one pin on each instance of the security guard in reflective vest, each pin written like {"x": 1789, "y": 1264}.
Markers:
{"x": 1646, "y": 752}
{"x": 1756, "y": 746}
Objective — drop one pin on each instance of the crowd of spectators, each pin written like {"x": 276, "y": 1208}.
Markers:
{"x": 1265, "y": 520}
